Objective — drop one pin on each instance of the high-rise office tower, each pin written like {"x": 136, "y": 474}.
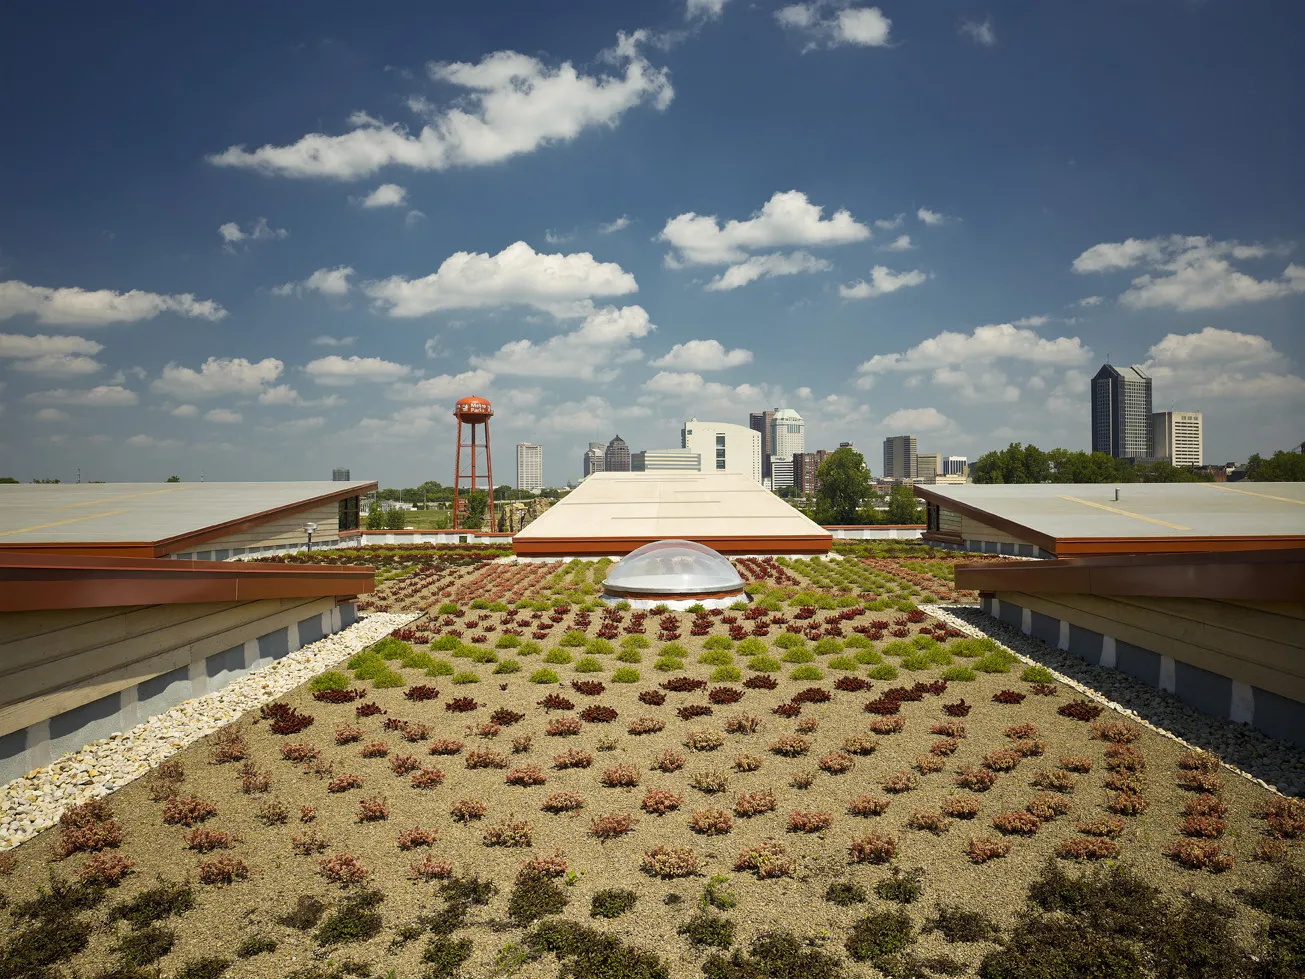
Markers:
{"x": 805, "y": 467}
{"x": 593, "y": 459}
{"x": 900, "y": 457}
{"x": 1121, "y": 413}
{"x": 1177, "y": 436}
{"x": 955, "y": 465}
{"x": 788, "y": 433}
{"x": 530, "y": 467}
{"x": 928, "y": 465}
{"x": 340, "y": 475}
{"x": 760, "y": 421}
{"x": 616, "y": 457}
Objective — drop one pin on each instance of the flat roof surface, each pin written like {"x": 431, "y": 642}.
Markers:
{"x": 63, "y": 513}
{"x": 660, "y": 505}
{"x": 1072, "y": 510}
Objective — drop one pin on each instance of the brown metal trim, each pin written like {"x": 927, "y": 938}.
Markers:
{"x": 645, "y": 596}
{"x": 1026, "y": 534}
{"x": 943, "y": 537}
{"x": 446, "y": 530}
{"x": 187, "y": 541}
{"x": 31, "y": 582}
{"x": 1264, "y": 575}
{"x": 137, "y": 549}
{"x": 571, "y": 546}
{"x": 1103, "y": 546}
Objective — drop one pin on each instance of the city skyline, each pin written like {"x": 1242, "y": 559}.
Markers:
{"x": 633, "y": 214}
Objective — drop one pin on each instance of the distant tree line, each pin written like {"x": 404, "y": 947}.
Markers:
{"x": 1281, "y": 467}
{"x": 845, "y": 494}
{"x": 433, "y": 491}
{"x": 1028, "y": 464}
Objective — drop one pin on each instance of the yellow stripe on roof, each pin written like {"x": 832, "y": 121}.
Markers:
{"x": 125, "y": 496}
{"x": 60, "y": 523}
{"x": 1263, "y": 496}
{"x": 1126, "y": 513}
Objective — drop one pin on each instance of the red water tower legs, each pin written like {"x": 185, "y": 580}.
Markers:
{"x": 474, "y": 413}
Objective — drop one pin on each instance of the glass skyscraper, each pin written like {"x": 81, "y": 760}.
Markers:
{"x": 1121, "y": 413}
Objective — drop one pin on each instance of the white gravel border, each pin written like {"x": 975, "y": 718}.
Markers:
{"x": 1278, "y": 766}
{"x": 35, "y": 802}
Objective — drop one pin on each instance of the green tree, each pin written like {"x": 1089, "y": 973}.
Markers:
{"x": 7, "y": 479}
{"x": 842, "y": 485}
{"x": 375, "y": 519}
{"x": 903, "y": 507}
{"x": 173, "y": 479}
{"x": 47, "y": 481}
{"x": 1014, "y": 464}
{"x": 1281, "y": 467}
{"x": 395, "y": 519}
{"x": 477, "y": 500}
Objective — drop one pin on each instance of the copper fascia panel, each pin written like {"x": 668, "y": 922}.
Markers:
{"x": 1265, "y": 576}
{"x": 31, "y": 582}
{"x": 568, "y": 546}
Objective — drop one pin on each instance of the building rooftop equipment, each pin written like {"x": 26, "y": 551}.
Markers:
{"x": 615, "y": 513}
{"x": 157, "y": 519}
{"x": 1067, "y": 519}
{"x": 673, "y": 571}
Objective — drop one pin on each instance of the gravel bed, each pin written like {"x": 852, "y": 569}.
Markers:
{"x": 1276, "y": 765}
{"x": 36, "y": 801}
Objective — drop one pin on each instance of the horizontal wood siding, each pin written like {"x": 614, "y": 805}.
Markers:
{"x": 286, "y": 530}
{"x": 55, "y": 661}
{"x": 971, "y": 529}
{"x": 1263, "y": 646}
{"x": 949, "y": 521}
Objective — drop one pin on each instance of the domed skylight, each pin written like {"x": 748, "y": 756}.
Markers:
{"x": 667, "y": 569}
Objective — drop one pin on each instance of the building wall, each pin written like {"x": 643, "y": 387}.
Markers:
{"x": 781, "y": 472}
{"x": 278, "y": 534}
{"x": 724, "y": 447}
{"x": 760, "y": 422}
{"x": 1240, "y": 660}
{"x": 900, "y": 460}
{"x": 955, "y": 465}
{"x": 72, "y": 677}
{"x": 1178, "y": 437}
{"x": 530, "y": 467}
{"x": 788, "y": 433}
{"x": 928, "y": 466}
{"x": 665, "y": 460}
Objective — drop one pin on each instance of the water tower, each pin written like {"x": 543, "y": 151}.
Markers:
{"x": 473, "y": 412}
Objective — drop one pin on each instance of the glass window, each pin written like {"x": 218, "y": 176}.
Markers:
{"x": 720, "y": 440}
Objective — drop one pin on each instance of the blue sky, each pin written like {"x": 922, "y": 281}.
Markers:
{"x": 937, "y": 218}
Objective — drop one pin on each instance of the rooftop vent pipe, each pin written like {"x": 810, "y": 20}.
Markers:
{"x": 1116, "y": 494}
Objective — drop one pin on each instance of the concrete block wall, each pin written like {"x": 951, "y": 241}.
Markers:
{"x": 1207, "y": 691}
{"x": 41, "y": 743}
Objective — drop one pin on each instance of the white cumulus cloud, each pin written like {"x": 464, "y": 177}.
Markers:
{"x": 103, "y": 396}
{"x": 340, "y": 371}
{"x": 51, "y": 356}
{"x": 787, "y": 219}
{"x": 985, "y": 345}
{"x": 218, "y": 377}
{"x": 386, "y": 195}
{"x": 328, "y": 341}
{"x": 444, "y": 386}
{"x": 902, "y": 243}
{"x": 704, "y": 9}
{"x": 224, "y": 416}
{"x": 594, "y": 352}
{"x": 831, "y": 23}
{"x": 231, "y": 234}
{"x": 765, "y": 267}
{"x": 980, "y": 32}
{"x": 51, "y": 415}
{"x": 329, "y": 282}
{"x": 909, "y": 420}
{"x": 1188, "y": 273}
{"x": 1223, "y": 364}
{"x": 620, "y": 224}
{"x": 149, "y": 441}
{"x": 702, "y": 355}
{"x": 184, "y": 411}
{"x": 510, "y": 104}
{"x": 518, "y": 275}
{"x": 73, "y": 306}
{"x": 929, "y": 217}
{"x": 882, "y": 281}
